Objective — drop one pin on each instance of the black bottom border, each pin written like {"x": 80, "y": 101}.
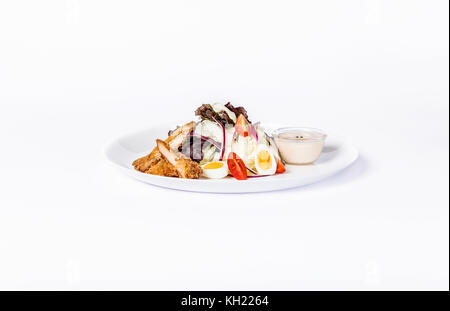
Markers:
{"x": 233, "y": 300}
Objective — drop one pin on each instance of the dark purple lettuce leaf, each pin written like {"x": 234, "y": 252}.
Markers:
{"x": 238, "y": 110}
{"x": 206, "y": 112}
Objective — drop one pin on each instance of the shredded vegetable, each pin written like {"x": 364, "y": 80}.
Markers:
{"x": 222, "y": 149}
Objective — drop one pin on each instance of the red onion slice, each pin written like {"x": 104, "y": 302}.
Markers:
{"x": 253, "y": 131}
{"x": 207, "y": 139}
{"x": 253, "y": 176}
{"x": 251, "y": 171}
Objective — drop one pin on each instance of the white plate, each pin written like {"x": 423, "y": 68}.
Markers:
{"x": 337, "y": 155}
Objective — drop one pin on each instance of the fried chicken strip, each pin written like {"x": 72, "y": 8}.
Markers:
{"x": 147, "y": 163}
{"x": 185, "y": 167}
{"x": 163, "y": 168}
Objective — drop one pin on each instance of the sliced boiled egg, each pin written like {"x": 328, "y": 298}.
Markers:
{"x": 265, "y": 161}
{"x": 215, "y": 169}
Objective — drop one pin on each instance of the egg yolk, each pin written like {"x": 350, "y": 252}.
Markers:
{"x": 264, "y": 160}
{"x": 213, "y": 165}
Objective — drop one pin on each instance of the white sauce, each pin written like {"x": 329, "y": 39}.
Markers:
{"x": 209, "y": 129}
{"x": 300, "y": 146}
{"x": 219, "y": 108}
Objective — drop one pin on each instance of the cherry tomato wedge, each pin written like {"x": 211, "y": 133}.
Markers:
{"x": 236, "y": 166}
{"x": 280, "y": 167}
{"x": 242, "y": 126}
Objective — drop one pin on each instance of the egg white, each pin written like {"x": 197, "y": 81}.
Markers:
{"x": 273, "y": 166}
{"x": 216, "y": 173}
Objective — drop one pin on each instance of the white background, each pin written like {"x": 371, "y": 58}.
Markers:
{"x": 76, "y": 74}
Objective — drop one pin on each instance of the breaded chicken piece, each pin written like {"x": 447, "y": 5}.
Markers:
{"x": 185, "y": 167}
{"x": 175, "y": 140}
{"x": 163, "y": 168}
{"x": 145, "y": 163}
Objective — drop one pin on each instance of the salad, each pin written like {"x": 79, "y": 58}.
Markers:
{"x": 223, "y": 142}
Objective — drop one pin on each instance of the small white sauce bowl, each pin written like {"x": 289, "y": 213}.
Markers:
{"x": 299, "y": 145}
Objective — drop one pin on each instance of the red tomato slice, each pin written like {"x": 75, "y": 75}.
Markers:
{"x": 280, "y": 167}
{"x": 242, "y": 126}
{"x": 236, "y": 166}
